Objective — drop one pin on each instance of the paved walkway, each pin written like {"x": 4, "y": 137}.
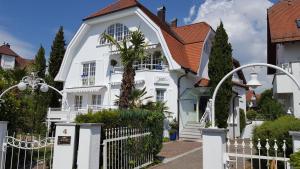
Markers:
{"x": 181, "y": 155}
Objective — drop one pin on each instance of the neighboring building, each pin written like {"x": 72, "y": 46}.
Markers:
{"x": 178, "y": 63}
{"x": 284, "y": 51}
{"x": 10, "y": 59}
{"x": 251, "y": 98}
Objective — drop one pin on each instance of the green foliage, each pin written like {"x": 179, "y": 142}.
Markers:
{"x": 279, "y": 130}
{"x": 242, "y": 120}
{"x": 220, "y": 63}
{"x": 135, "y": 118}
{"x": 25, "y": 111}
{"x": 295, "y": 160}
{"x": 129, "y": 53}
{"x": 55, "y": 60}
{"x": 166, "y": 139}
{"x": 251, "y": 114}
{"x": 269, "y": 108}
{"x": 40, "y": 62}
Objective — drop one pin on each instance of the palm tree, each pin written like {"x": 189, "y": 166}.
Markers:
{"x": 137, "y": 97}
{"x": 131, "y": 50}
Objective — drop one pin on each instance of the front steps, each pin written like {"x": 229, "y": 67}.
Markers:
{"x": 191, "y": 131}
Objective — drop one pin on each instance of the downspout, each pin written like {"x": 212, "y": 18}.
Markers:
{"x": 178, "y": 97}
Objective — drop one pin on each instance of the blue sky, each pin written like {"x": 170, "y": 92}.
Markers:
{"x": 28, "y": 23}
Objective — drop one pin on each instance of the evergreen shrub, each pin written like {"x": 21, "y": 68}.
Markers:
{"x": 135, "y": 118}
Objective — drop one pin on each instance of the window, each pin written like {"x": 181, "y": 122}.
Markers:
{"x": 88, "y": 73}
{"x": 160, "y": 95}
{"x": 78, "y": 102}
{"x": 96, "y": 100}
{"x": 298, "y": 23}
{"x": 117, "y": 31}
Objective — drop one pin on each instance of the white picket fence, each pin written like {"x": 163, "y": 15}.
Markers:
{"x": 123, "y": 148}
{"x": 244, "y": 154}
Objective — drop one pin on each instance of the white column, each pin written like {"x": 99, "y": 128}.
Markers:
{"x": 214, "y": 148}
{"x": 3, "y": 132}
{"x": 64, "y": 146}
{"x": 89, "y": 146}
{"x": 296, "y": 140}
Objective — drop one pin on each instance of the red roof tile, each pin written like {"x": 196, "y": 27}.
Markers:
{"x": 282, "y": 21}
{"x": 20, "y": 62}
{"x": 185, "y": 43}
{"x": 5, "y": 50}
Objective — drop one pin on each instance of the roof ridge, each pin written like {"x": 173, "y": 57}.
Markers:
{"x": 202, "y": 22}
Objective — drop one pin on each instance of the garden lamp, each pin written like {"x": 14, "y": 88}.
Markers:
{"x": 253, "y": 83}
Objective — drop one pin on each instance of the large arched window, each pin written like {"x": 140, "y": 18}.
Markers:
{"x": 117, "y": 31}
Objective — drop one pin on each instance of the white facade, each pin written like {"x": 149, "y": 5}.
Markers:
{"x": 285, "y": 90}
{"x": 7, "y": 62}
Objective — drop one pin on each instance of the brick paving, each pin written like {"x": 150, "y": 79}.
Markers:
{"x": 181, "y": 155}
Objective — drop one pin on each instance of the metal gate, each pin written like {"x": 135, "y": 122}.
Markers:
{"x": 26, "y": 152}
{"x": 244, "y": 154}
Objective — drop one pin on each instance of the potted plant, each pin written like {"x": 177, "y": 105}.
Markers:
{"x": 173, "y": 131}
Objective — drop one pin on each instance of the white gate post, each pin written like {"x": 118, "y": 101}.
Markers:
{"x": 89, "y": 146}
{"x": 214, "y": 148}
{"x": 296, "y": 140}
{"x": 65, "y": 146}
{"x": 3, "y": 132}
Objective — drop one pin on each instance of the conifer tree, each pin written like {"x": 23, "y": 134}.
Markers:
{"x": 57, "y": 53}
{"x": 55, "y": 60}
{"x": 220, "y": 63}
{"x": 40, "y": 62}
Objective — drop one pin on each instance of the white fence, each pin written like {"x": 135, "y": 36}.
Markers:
{"x": 26, "y": 152}
{"x": 124, "y": 148}
{"x": 245, "y": 153}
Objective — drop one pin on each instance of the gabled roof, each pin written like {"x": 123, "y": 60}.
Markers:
{"x": 5, "y": 50}
{"x": 282, "y": 21}
{"x": 185, "y": 43}
{"x": 20, "y": 61}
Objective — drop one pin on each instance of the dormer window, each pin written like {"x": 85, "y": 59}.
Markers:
{"x": 117, "y": 31}
{"x": 298, "y": 23}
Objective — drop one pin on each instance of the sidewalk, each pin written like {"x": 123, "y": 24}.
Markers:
{"x": 180, "y": 154}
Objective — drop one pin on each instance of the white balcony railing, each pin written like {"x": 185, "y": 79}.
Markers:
{"x": 142, "y": 67}
{"x": 287, "y": 67}
{"x": 73, "y": 111}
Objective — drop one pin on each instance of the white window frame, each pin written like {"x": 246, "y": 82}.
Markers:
{"x": 118, "y": 31}
{"x": 96, "y": 100}
{"x": 78, "y": 102}
{"x": 88, "y": 73}
{"x": 160, "y": 96}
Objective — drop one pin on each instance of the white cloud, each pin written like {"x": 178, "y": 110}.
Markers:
{"x": 21, "y": 47}
{"x": 191, "y": 15}
{"x": 246, "y": 26}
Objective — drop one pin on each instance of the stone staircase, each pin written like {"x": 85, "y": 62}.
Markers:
{"x": 191, "y": 131}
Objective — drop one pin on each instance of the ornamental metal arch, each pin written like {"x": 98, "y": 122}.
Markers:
{"x": 240, "y": 68}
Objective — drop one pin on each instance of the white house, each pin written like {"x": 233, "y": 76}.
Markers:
{"x": 176, "y": 73}
{"x": 10, "y": 59}
{"x": 284, "y": 51}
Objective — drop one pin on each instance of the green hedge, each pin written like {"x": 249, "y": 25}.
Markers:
{"x": 130, "y": 118}
{"x": 279, "y": 130}
{"x": 242, "y": 120}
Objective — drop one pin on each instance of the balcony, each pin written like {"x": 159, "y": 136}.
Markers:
{"x": 60, "y": 114}
{"x": 143, "y": 67}
{"x": 284, "y": 84}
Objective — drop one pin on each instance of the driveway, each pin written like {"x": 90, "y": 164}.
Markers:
{"x": 180, "y": 154}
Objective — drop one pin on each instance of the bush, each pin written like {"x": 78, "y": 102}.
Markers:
{"x": 279, "y": 130}
{"x": 295, "y": 160}
{"x": 251, "y": 114}
{"x": 269, "y": 108}
{"x": 242, "y": 120}
{"x": 130, "y": 118}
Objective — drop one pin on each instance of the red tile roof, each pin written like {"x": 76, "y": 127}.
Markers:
{"x": 185, "y": 43}
{"x": 20, "y": 62}
{"x": 282, "y": 21}
{"x": 5, "y": 50}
